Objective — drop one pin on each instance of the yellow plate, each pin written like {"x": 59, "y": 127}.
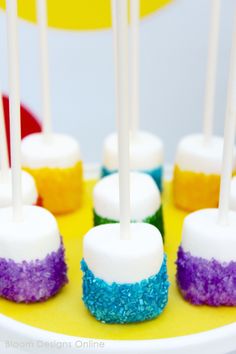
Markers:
{"x": 66, "y": 313}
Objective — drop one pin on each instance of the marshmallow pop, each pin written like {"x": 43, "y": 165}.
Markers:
{"x": 206, "y": 264}
{"x": 197, "y": 170}
{"x": 32, "y": 264}
{"x": 29, "y": 191}
{"x": 145, "y": 201}
{"x": 54, "y": 160}
{"x": 124, "y": 266}
{"x": 146, "y": 155}
{"x": 146, "y": 150}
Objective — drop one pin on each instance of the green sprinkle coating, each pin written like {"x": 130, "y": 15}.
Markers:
{"x": 155, "y": 220}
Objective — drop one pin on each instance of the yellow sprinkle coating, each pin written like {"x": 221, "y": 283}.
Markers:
{"x": 194, "y": 191}
{"x": 59, "y": 188}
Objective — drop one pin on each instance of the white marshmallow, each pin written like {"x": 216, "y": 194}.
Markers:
{"x": 29, "y": 191}
{"x": 123, "y": 261}
{"x": 61, "y": 151}
{"x": 145, "y": 197}
{"x": 146, "y": 151}
{"x": 194, "y": 155}
{"x": 204, "y": 237}
{"x": 33, "y": 238}
{"x": 233, "y": 194}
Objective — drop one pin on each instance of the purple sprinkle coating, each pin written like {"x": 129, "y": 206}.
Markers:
{"x": 204, "y": 282}
{"x": 33, "y": 281}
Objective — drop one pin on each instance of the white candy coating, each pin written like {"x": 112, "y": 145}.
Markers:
{"x": 146, "y": 151}
{"x": 33, "y": 238}
{"x": 61, "y": 152}
{"x": 145, "y": 197}
{"x": 233, "y": 194}
{"x": 193, "y": 154}
{"x": 29, "y": 191}
{"x": 204, "y": 237}
{"x": 123, "y": 261}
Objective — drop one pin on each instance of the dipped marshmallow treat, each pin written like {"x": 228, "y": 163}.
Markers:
{"x": 124, "y": 281}
{"x": 146, "y": 150}
{"x": 145, "y": 200}
{"x": 196, "y": 182}
{"x": 32, "y": 259}
{"x": 198, "y": 160}
{"x": 124, "y": 267}
{"x": 29, "y": 190}
{"x": 146, "y": 155}
{"x": 52, "y": 159}
{"x": 206, "y": 265}
{"x": 57, "y": 169}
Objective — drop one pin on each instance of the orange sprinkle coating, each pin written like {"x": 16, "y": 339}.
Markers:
{"x": 60, "y": 189}
{"x": 194, "y": 191}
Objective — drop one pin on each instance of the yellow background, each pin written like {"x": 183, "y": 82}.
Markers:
{"x": 80, "y": 14}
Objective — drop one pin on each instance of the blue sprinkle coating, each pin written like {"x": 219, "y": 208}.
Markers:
{"x": 155, "y": 173}
{"x": 125, "y": 303}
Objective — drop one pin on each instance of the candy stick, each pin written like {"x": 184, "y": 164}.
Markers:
{"x": 15, "y": 124}
{"x": 211, "y": 71}
{"x": 45, "y": 89}
{"x": 134, "y": 17}
{"x": 123, "y": 121}
{"x": 4, "y": 161}
{"x": 229, "y": 137}
{"x": 115, "y": 53}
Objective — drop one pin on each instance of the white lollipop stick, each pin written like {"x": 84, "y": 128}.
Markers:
{"x": 229, "y": 137}
{"x": 123, "y": 121}
{"x": 135, "y": 20}
{"x": 115, "y": 51}
{"x": 15, "y": 123}
{"x": 45, "y": 89}
{"x": 4, "y": 161}
{"x": 211, "y": 71}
